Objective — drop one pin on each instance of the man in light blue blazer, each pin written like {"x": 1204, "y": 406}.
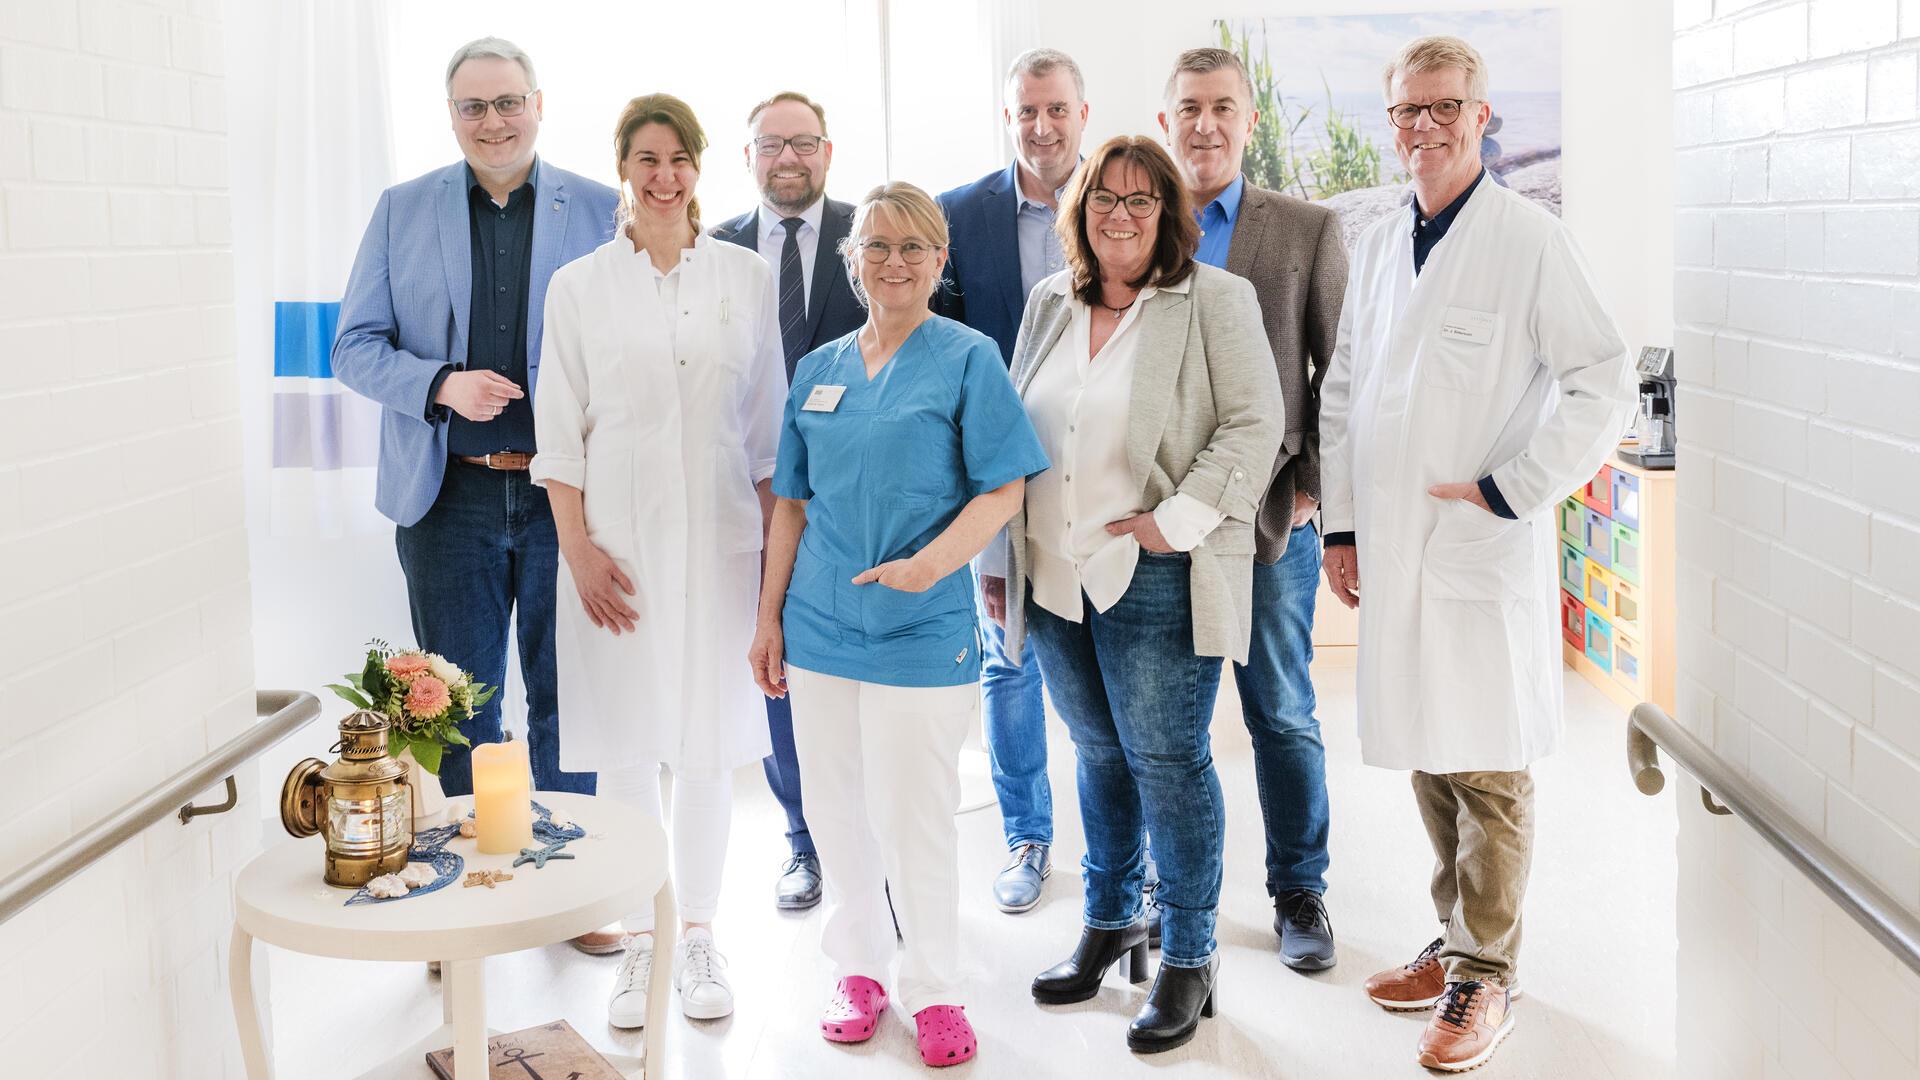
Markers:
{"x": 441, "y": 325}
{"x": 1001, "y": 245}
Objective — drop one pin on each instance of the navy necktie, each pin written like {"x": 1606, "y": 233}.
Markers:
{"x": 793, "y": 293}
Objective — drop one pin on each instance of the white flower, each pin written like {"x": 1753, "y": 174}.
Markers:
{"x": 444, "y": 670}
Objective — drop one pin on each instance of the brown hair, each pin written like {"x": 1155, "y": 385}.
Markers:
{"x": 819, "y": 113}
{"x": 1174, "y": 243}
{"x": 678, "y": 116}
{"x": 1201, "y": 61}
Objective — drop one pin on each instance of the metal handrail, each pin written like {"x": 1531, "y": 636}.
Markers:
{"x": 1650, "y": 729}
{"x": 284, "y": 712}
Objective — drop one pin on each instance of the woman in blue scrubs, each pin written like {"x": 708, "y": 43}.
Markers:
{"x": 905, "y": 449}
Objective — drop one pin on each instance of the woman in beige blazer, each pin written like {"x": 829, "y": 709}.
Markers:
{"x": 1151, "y": 383}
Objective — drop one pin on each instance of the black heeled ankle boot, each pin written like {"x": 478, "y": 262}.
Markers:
{"x": 1077, "y": 978}
{"x": 1179, "y": 998}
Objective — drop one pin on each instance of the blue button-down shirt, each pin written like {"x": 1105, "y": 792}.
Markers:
{"x": 501, "y": 242}
{"x": 1040, "y": 254}
{"x": 1217, "y": 219}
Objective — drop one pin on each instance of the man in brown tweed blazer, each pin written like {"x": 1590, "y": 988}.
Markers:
{"x": 1291, "y": 250}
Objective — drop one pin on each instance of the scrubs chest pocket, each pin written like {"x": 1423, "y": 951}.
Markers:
{"x": 1462, "y": 352}
{"x": 911, "y": 460}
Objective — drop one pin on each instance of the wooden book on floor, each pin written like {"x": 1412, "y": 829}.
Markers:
{"x": 549, "y": 1052}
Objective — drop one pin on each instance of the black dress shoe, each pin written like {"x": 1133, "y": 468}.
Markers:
{"x": 799, "y": 884}
{"x": 1179, "y": 998}
{"x": 1077, "y": 978}
{"x": 1306, "y": 934}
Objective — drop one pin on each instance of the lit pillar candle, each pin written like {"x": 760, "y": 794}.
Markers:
{"x": 502, "y": 797}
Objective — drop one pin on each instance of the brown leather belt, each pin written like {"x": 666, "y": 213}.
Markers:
{"x": 515, "y": 462}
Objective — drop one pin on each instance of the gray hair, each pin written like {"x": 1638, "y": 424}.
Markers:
{"x": 1432, "y": 53}
{"x": 1038, "y": 62}
{"x": 495, "y": 48}
{"x": 1203, "y": 60}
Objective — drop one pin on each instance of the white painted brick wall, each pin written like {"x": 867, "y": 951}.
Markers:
{"x": 1797, "y": 255}
{"x": 123, "y": 593}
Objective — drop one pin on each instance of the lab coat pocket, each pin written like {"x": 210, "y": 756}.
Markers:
{"x": 607, "y": 493}
{"x": 911, "y": 460}
{"x": 1477, "y": 556}
{"x": 736, "y": 506}
{"x": 1464, "y": 352}
{"x": 887, "y": 613}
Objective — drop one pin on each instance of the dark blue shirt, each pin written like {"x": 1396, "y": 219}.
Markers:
{"x": 501, "y": 239}
{"x": 1430, "y": 231}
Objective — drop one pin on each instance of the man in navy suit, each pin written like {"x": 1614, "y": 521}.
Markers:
{"x": 1002, "y": 244}
{"x": 441, "y": 325}
{"x": 798, "y": 230}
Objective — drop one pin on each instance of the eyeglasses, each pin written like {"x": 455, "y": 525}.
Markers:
{"x": 804, "y": 145}
{"x": 912, "y": 252}
{"x": 1444, "y": 112}
{"x": 505, "y": 105}
{"x": 1139, "y": 204}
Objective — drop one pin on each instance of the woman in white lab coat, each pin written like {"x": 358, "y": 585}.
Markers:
{"x": 658, "y": 420}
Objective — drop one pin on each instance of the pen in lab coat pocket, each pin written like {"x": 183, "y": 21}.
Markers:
{"x": 723, "y": 311}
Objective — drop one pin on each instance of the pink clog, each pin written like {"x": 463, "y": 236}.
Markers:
{"x": 944, "y": 1035}
{"x": 854, "y": 1013}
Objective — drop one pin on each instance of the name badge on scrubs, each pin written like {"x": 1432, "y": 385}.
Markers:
{"x": 1463, "y": 324}
{"x": 823, "y": 399}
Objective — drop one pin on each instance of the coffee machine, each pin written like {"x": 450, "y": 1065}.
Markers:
{"x": 1654, "y": 450}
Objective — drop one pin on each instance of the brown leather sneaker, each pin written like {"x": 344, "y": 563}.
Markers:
{"x": 1411, "y": 987}
{"x": 601, "y": 942}
{"x": 1467, "y": 1026}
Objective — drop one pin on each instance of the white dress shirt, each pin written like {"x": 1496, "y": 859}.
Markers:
{"x": 1079, "y": 408}
{"x": 773, "y": 236}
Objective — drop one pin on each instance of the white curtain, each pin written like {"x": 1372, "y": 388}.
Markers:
{"x": 332, "y": 156}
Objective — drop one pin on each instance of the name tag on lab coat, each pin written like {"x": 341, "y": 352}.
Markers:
{"x": 823, "y": 399}
{"x": 1462, "y": 324}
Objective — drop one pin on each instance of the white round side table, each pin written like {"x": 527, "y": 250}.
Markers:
{"x": 619, "y": 867}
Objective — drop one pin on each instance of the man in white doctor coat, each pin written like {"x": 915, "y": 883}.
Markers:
{"x": 1476, "y": 382}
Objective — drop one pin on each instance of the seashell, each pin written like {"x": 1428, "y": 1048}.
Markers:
{"x": 562, "y": 823}
{"x": 387, "y": 886}
{"x": 467, "y": 829}
{"x": 416, "y": 875}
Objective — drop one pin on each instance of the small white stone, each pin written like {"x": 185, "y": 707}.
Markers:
{"x": 467, "y": 829}
{"x": 386, "y": 886}
{"x": 417, "y": 875}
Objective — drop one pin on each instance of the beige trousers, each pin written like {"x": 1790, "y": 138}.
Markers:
{"x": 1481, "y": 828}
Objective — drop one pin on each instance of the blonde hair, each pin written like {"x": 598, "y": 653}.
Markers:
{"x": 907, "y": 206}
{"x": 678, "y": 116}
{"x": 1426, "y": 54}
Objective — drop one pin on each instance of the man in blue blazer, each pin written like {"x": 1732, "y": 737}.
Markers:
{"x": 1001, "y": 245}
{"x": 798, "y": 230}
{"x": 441, "y": 325}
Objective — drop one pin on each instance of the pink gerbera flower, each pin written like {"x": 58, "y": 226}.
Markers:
{"x": 427, "y": 697}
{"x": 406, "y": 665}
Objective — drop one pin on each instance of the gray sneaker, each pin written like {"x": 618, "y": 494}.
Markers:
{"x": 1018, "y": 887}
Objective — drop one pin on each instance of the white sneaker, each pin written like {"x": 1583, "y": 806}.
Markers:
{"x": 628, "y": 1006}
{"x": 704, "y": 993}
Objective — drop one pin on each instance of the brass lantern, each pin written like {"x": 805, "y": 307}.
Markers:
{"x": 361, "y": 803}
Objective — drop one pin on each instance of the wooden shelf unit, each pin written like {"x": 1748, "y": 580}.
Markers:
{"x": 1617, "y": 588}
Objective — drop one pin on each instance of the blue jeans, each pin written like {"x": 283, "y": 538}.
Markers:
{"x": 1014, "y": 718}
{"x": 486, "y": 549}
{"x": 1276, "y": 699}
{"x": 1138, "y": 702}
{"x": 783, "y": 774}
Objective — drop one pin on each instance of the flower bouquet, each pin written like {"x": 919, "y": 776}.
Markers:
{"x": 423, "y": 696}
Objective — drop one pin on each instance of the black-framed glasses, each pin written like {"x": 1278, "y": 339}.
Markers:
{"x": 505, "y": 105}
{"x": 912, "y": 252}
{"x": 804, "y": 145}
{"x": 1444, "y": 112}
{"x": 1139, "y": 204}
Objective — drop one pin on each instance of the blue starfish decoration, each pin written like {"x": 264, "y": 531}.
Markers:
{"x": 539, "y": 856}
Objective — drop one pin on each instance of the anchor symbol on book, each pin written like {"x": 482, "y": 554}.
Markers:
{"x": 516, "y": 1055}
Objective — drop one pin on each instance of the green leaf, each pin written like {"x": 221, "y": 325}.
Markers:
{"x": 480, "y": 699}
{"x": 427, "y": 753}
{"x": 396, "y": 742}
{"x": 352, "y": 696}
{"x": 455, "y": 738}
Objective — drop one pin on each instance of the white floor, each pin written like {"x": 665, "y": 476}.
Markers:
{"x": 1598, "y": 961}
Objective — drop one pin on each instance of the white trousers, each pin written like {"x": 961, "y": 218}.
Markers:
{"x": 697, "y": 828}
{"x": 882, "y": 769}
